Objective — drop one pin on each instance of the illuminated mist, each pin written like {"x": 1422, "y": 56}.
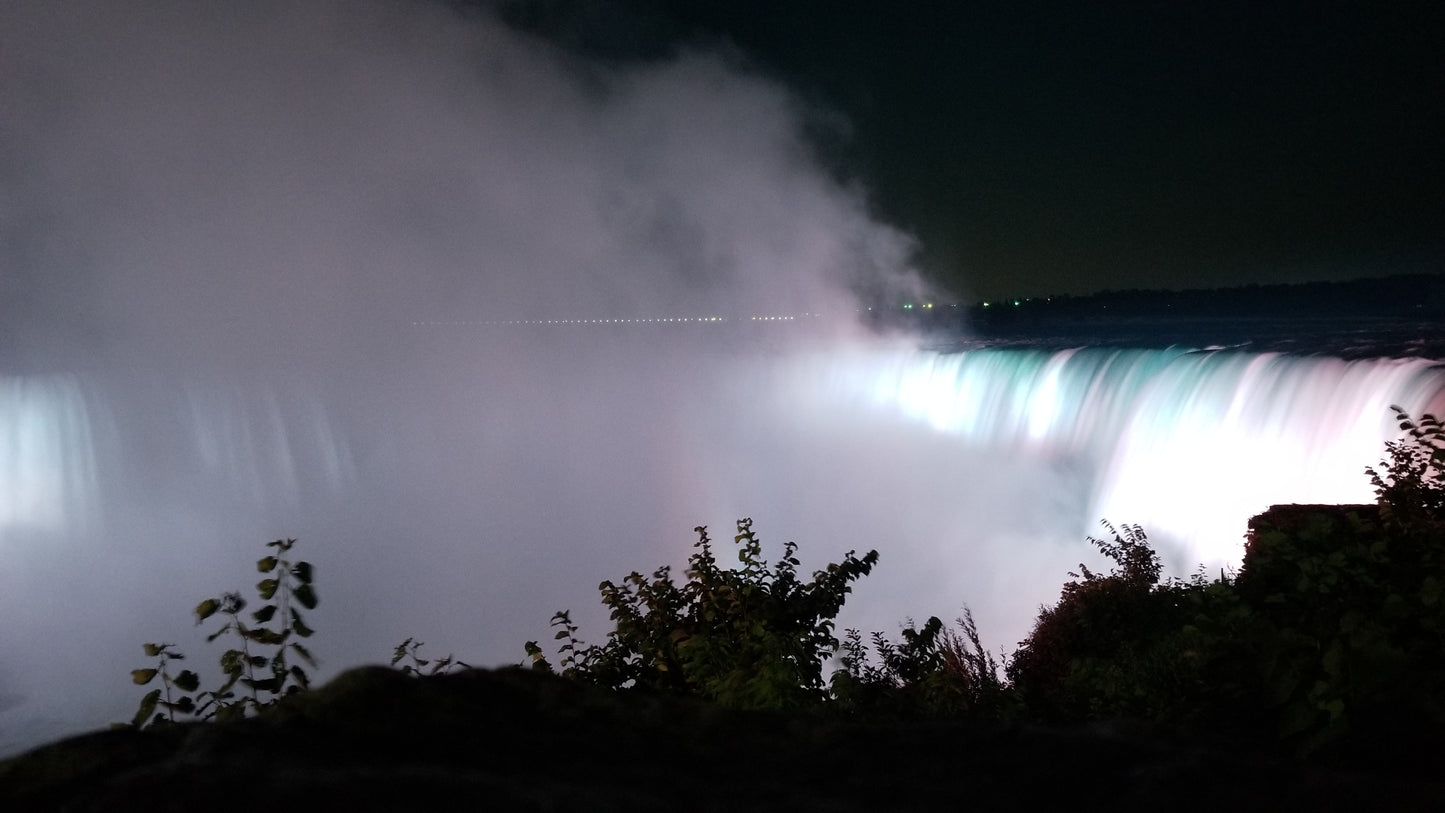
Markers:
{"x": 286, "y": 270}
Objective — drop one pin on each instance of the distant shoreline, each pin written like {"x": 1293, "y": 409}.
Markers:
{"x": 1398, "y": 316}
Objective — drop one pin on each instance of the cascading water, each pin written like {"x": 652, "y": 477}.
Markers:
{"x": 1187, "y": 443}
{"x": 67, "y": 444}
{"x": 46, "y": 453}
{"x": 468, "y": 500}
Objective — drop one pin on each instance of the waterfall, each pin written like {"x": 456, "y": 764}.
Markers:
{"x": 68, "y": 445}
{"x": 47, "y": 463}
{"x": 1187, "y": 443}
{"x": 468, "y": 497}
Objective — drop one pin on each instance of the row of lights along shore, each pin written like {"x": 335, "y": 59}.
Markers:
{"x": 657, "y": 321}
{"x": 663, "y": 320}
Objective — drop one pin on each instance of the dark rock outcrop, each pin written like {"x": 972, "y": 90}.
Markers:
{"x": 374, "y": 739}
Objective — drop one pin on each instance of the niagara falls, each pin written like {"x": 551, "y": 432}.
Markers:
{"x": 982, "y": 472}
{"x": 483, "y": 313}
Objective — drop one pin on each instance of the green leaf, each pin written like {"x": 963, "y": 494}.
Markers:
{"x": 206, "y": 609}
{"x": 225, "y": 690}
{"x": 307, "y": 596}
{"x": 267, "y": 564}
{"x": 147, "y": 706}
{"x": 267, "y": 685}
{"x": 266, "y": 637}
{"x": 397, "y": 654}
{"x": 304, "y": 653}
{"x": 232, "y": 661}
{"x": 141, "y": 677}
{"x": 264, "y": 614}
{"x": 187, "y": 681}
{"x": 300, "y": 628}
{"x": 302, "y": 572}
{"x": 231, "y": 711}
{"x": 266, "y": 588}
{"x": 152, "y": 650}
{"x": 185, "y": 705}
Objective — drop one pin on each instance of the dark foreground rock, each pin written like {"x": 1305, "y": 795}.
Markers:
{"x": 374, "y": 739}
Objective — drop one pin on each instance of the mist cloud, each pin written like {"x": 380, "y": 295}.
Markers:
{"x": 253, "y": 261}
{"x": 266, "y": 178}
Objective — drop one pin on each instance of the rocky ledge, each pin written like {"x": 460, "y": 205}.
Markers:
{"x": 511, "y": 739}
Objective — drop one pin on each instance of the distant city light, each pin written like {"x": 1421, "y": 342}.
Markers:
{"x": 659, "y": 320}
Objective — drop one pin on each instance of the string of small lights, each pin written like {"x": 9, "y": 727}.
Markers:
{"x": 906, "y": 308}
{"x": 665, "y": 320}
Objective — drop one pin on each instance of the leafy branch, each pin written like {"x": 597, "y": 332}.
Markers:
{"x": 752, "y": 637}
{"x": 266, "y": 659}
{"x": 410, "y": 650}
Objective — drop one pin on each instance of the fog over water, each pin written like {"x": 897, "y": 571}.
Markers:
{"x": 296, "y": 270}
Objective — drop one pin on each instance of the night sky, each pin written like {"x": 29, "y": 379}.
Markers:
{"x": 1039, "y": 148}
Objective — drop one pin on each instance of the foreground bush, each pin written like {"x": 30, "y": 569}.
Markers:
{"x": 751, "y": 637}
{"x": 1344, "y": 645}
{"x": 1349, "y": 625}
{"x": 262, "y": 662}
{"x": 934, "y": 671}
{"x": 1330, "y": 638}
{"x": 1115, "y": 644}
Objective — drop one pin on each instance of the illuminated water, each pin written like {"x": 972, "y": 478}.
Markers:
{"x": 1187, "y": 443}
{"x": 465, "y": 506}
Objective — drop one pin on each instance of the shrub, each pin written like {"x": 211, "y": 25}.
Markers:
{"x": 751, "y": 637}
{"x": 1114, "y": 645}
{"x": 932, "y": 672}
{"x": 417, "y": 666}
{"x": 1345, "y": 643}
{"x": 261, "y": 661}
{"x": 1332, "y": 634}
{"x": 1349, "y": 605}
{"x": 1410, "y": 485}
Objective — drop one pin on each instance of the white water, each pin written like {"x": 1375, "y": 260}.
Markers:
{"x": 1186, "y": 443}
{"x": 465, "y": 508}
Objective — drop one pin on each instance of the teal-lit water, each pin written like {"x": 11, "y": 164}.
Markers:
{"x": 465, "y": 502}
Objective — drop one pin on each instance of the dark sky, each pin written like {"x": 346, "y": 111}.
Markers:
{"x": 1039, "y": 148}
